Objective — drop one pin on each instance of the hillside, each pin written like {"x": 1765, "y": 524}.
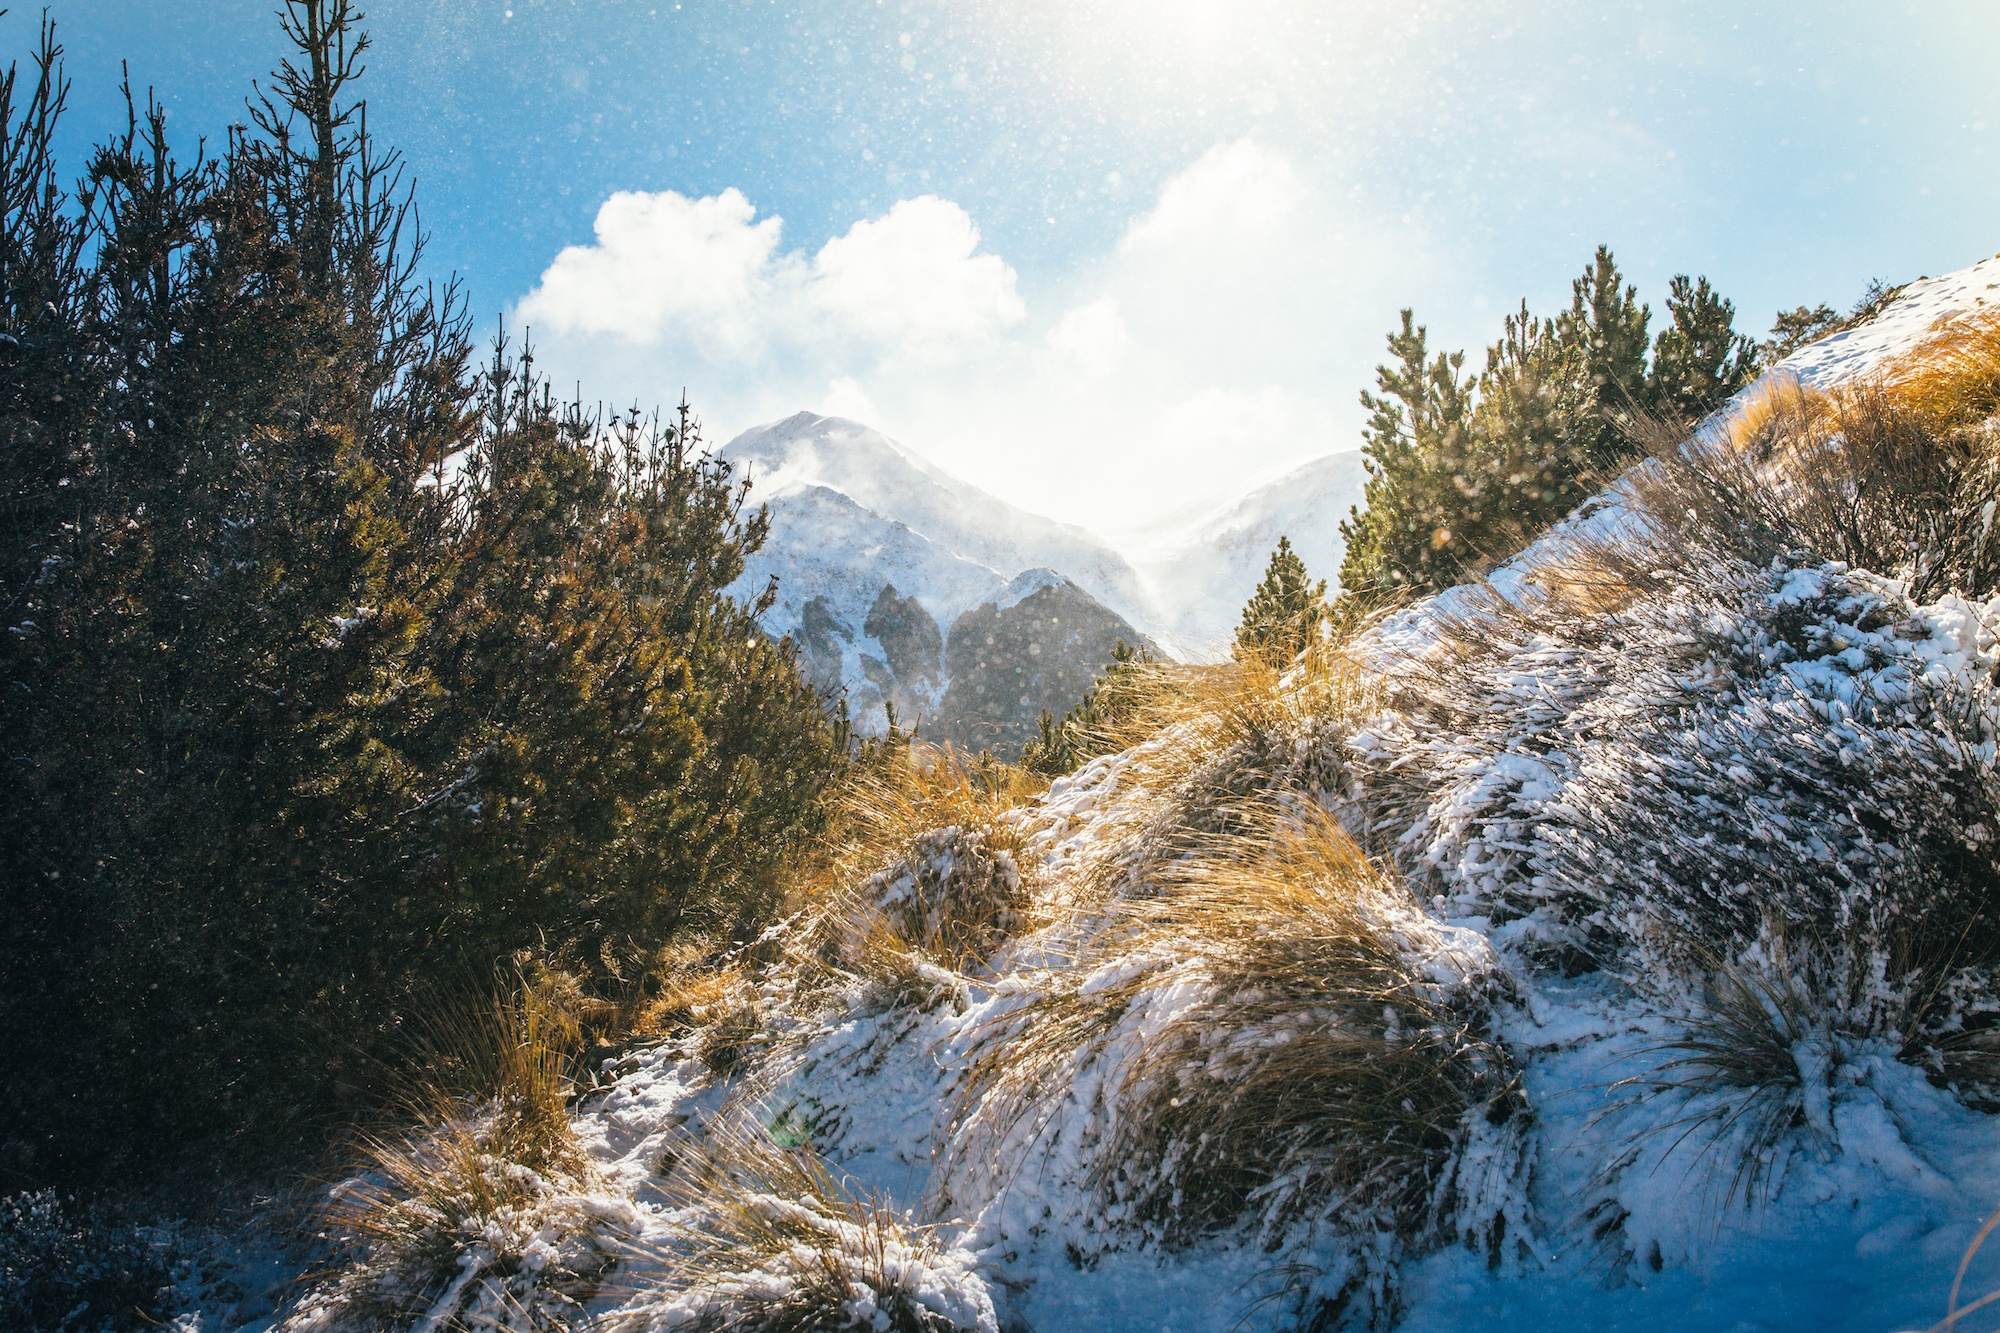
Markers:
{"x": 1043, "y": 640}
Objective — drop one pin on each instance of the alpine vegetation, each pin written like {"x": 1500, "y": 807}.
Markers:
{"x": 337, "y": 660}
{"x": 1586, "y": 918}
{"x": 1546, "y": 935}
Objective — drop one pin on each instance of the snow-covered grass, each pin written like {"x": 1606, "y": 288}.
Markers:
{"x": 486, "y": 1212}
{"x": 761, "y": 1238}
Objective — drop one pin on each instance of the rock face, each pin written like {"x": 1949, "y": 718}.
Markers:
{"x": 1038, "y": 646}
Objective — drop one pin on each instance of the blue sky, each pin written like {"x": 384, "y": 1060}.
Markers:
{"x": 1110, "y": 257}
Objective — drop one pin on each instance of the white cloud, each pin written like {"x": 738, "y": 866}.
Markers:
{"x": 663, "y": 260}
{"x": 1236, "y": 195}
{"x": 914, "y": 279}
{"x": 846, "y": 398}
{"x": 668, "y": 271}
{"x": 1222, "y": 337}
{"x": 1090, "y": 340}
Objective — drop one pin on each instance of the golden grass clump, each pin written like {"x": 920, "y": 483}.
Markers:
{"x": 1222, "y": 739}
{"x": 763, "y": 1239}
{"x": 922, "y": 864}
{"x": 1952, "y": 378}
{"x": 1323, "y": 1067}
{"x": 477, "y": 1215}
{"x": 1281, "y": 1040}
{"x": 719, "y": 1007}
{"x": 1899, "y": 474}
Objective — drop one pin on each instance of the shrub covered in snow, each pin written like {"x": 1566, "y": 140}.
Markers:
{"x": 763, "y": 1239}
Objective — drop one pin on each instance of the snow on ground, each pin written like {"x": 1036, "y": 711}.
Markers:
{"x": 1917, "y": 309}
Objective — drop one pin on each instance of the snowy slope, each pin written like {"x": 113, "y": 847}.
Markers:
{"x": 1202, "y": 568}
{"x": 1918, "y": 309}
{"x": 877, "y": 473}
{"x": 824, "y": 544}
{"x": 878, "y": 554}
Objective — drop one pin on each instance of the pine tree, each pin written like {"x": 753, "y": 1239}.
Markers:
{"x": 1463, "y": 475}
{"x": 1093, "y": 726}
{"x": 333, "y": 663}
{"x": 1699, "y": 360}
{"x": 1286, "y": 611}
{"x": 1607, "y": 324}
{"x": 1401, "y": 538}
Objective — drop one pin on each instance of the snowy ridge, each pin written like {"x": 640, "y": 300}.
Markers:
{"x": 854, "y": 552}
{"x": 1026, "y": 585}
{"x": 1917, "y": 310}
{"x": 879, "y": 474}
{"x": 868, "y": 540}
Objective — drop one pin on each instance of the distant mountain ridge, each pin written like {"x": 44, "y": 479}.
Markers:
{"x": 877, "y": 473}
{"x": 881, "y": 557}
{"x": 1200, "y": 570}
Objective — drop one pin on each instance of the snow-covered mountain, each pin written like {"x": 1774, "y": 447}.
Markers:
{"x": 878, "y": 557}
{"x": 877, "y": 473}
{"x": 1201, "y": 567}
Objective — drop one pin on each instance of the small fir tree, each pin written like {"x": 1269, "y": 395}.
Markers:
{"x": 1285, "y": 613}
{"x": 1091, "y": 728}
{"x": 1699, "y": 360}
{"x": 1401, "y": 536}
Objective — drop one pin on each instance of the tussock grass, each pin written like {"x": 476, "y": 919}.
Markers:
{"x": 1220, "y": 740}
{"x": 1618, "y": 748}
{"x": 764, "y": 1239}
{"x": 477, "y": 1215}
{"x": 1952, "y": 378}
{"x": 722, "y": 1010}
{"x": 921, "y": 867}
{"x": 1755, "y": 1061}
{"x": 1281, "y": 1040}
{"x": 1323, "y": 1068}
{"x": 1863, "y": 475}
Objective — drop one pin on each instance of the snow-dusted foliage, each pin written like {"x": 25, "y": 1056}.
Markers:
{"x": 759, "y": 1238}
{"x": 1282, "y": 1052}
{"x": 953, "y": 896}
{"x": 1755, "y": 754}
{"x": 456, "y": 1232}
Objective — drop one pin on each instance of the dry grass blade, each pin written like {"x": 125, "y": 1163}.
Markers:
{"x": 1323, "y": 1066}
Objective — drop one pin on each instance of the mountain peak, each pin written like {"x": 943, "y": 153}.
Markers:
{"x": 807, "y": 450}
